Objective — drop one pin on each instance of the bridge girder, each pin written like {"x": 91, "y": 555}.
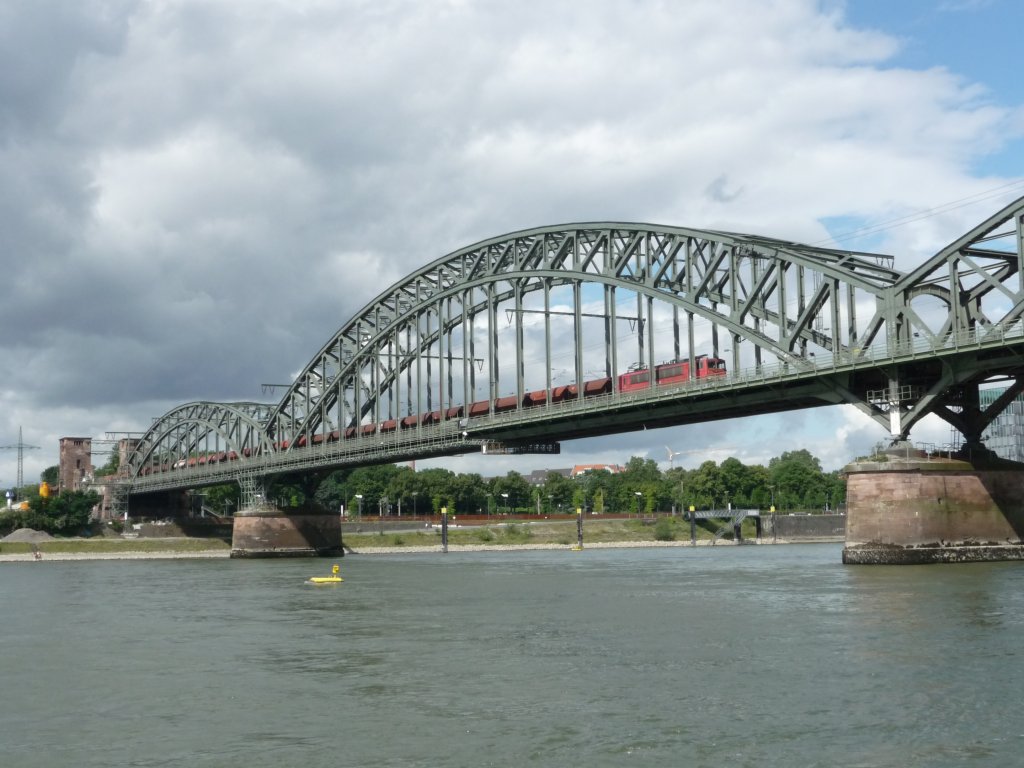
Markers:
{"x": 584, "y": 302}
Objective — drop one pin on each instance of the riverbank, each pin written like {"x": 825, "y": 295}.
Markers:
{"x": 224, "y": 553}
{"x": 167, "y": 543}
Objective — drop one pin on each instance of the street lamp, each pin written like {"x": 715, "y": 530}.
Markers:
{"x": 505, "y": 497}
{"x": 638, "y": 495}
{"x": 359, "y": 498}
{"x": 551, "y": 503}
{"x": 414, "y": 495}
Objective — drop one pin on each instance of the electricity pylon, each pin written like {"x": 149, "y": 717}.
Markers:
{"x": 21, "y": 446}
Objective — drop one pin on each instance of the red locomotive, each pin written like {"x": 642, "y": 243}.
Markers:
{"x": 676, "y": 372}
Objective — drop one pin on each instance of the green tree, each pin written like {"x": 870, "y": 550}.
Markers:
{"x": 760, "y": 495}
{"x": 66, "y": 514}
{"x": 518, "y": 490}
{"x": 593, "y": 490}
{"x": 439, "y": 485}
{"x": 223, "y": 499}
{"x": 404, "y": 488}
{"x": 558, "y": 492}
{"x": 111, "y": 466}
{"x": 372, "y": 483}
{"x": 705, "y": 486}
{"x": 50, "y": 475}
{"x": 332, "y": 491}
{"x": 798, "y": 480}
{"x": 675, "y": 487}
{"x": 640, "y": 471}
{"x": 468, "y": 494}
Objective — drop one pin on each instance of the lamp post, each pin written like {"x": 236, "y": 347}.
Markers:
{"x": 638, "y": 495}
{"x": 414, "y": 495}
{"x": 359, "y": 498}
{"x": 551, "y": 503}
{"x": 505, "y": 497}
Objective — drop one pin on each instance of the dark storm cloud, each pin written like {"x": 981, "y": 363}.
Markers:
{"x": 196, "y": 195}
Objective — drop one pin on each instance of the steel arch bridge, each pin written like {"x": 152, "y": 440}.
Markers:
{"x": 569, "y": 331}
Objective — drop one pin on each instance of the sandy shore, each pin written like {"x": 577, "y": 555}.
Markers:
{"x": 222, "y": 554}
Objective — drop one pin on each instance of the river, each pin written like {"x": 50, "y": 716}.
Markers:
{"x": 717, "y": 656}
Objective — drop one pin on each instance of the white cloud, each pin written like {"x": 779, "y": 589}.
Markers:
{"x": 197, "y": 195}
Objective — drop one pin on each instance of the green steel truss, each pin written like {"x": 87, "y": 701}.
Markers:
{"x": 563, "y": 309}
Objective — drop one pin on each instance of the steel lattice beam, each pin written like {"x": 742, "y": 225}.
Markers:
{"x": 581, "y": 303}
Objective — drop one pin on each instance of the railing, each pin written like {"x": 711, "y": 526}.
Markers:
{"x": 800, "y": 368}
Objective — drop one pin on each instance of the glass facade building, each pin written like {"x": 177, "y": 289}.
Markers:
{"x": 1005, "y": 435}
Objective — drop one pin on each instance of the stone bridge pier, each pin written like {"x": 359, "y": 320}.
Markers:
{"x": 912, "y": 509}
{"x": 263, "y": 530}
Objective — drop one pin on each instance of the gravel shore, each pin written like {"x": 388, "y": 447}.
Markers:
{"x": 224, "y": 554}
{"x": 27, "y": 557}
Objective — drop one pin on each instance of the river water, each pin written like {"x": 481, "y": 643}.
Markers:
{"x": 724, "y": 656}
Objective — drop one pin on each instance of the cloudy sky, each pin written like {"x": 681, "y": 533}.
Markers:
{"x": 196, "y": 194}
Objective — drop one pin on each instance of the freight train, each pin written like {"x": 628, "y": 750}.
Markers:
{"x": 674, "y": 372}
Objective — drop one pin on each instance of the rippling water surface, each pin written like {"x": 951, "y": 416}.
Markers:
{"x": 728, "y": 656}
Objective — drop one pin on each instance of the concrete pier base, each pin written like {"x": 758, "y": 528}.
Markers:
{"x": 912, "y": 509}
{"x": 266, "y": 531}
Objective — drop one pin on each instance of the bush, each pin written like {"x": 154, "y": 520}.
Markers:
{"x": 517, "y": 533}
{"x": 67, "y": 514}
{"x": 664, "y": 530}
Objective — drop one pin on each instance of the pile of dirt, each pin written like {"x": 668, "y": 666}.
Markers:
{"x": 27, "y": 535}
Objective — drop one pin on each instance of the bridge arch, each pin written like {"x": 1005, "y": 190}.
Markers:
{"x": 201, "y": 433}
{"x": 429, "y": 345}
{"x": 472, "y": 341}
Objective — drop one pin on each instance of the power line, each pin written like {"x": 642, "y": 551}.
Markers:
{"x": 927, "y": 213}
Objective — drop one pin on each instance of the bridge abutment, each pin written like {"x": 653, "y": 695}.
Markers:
{"x": 264, "y": 531}
{"x": 912, "y": 509}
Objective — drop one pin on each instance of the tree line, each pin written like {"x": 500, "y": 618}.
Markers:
{"x": 793, "y": 481}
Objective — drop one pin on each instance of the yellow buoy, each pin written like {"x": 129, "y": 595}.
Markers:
{"x": 334, "y": 578}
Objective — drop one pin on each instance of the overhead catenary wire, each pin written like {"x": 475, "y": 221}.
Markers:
{"x": 927, "y": 213}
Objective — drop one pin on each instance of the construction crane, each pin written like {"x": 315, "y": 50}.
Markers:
{"x": 21, "y": 446}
